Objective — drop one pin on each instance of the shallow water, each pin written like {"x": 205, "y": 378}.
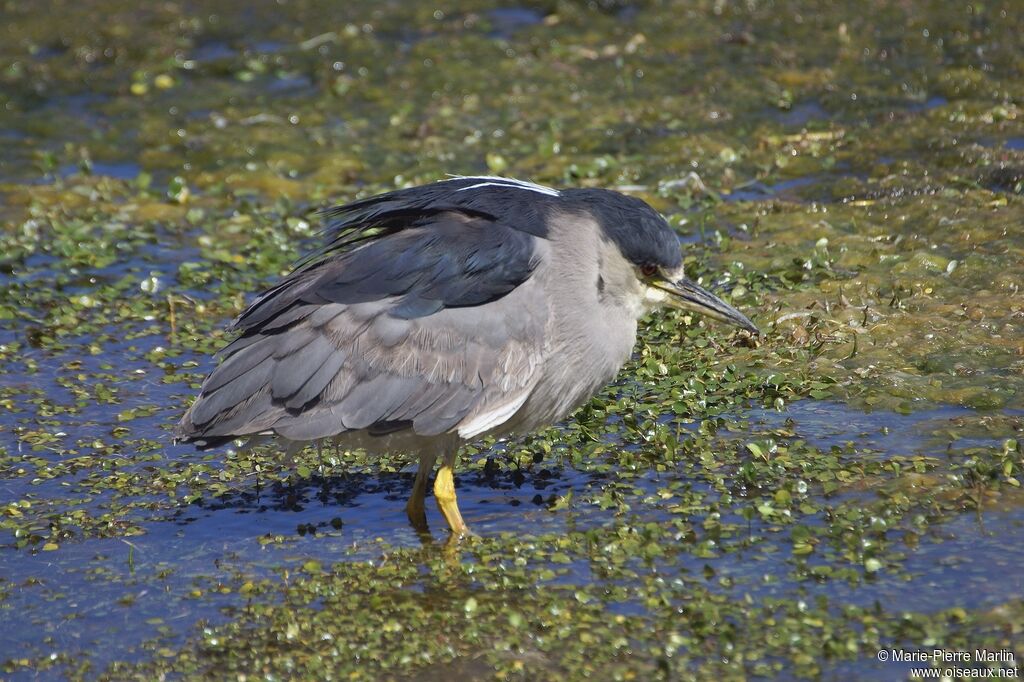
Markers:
{"x": 109, "y": 596}
{"x": 728, "y": 509}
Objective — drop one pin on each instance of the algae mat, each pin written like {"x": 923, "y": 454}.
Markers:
{"x": 824, "y": 503}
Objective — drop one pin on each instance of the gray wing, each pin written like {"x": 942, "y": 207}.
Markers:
{"x": 437, "y": 328}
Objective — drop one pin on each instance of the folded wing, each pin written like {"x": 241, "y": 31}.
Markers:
{"x": 435, "y": 327}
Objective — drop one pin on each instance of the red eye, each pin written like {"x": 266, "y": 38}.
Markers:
{"x": 648, "y": 270}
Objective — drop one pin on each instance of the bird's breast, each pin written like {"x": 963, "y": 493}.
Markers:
{"x": 577, "y": 365}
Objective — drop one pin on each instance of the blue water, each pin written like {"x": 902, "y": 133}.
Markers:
{"x": 792, "y": 189}
{"x": 125, "y": 170}
{"x": 96, "y": 595}
{"x": 80, "y": 601}
{"x": 507, "y": 21}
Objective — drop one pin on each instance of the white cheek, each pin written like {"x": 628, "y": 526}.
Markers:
{"x": 655, "y": 297}
{"x": 635, "y": 303}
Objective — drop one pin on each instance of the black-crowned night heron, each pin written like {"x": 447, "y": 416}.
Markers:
{"x": 437, "y": 315}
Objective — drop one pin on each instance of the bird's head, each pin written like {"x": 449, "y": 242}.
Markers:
{"x": 651, "y": 247}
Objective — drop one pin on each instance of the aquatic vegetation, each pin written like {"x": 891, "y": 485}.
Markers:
{"x": 850, "y": 482}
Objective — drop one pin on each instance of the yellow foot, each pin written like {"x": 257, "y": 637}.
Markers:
{"x": 414, "y": 508}
{"x": 444, "y": 491}
{"x": 417, "y": 514}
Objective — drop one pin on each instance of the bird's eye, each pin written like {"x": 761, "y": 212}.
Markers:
{"x": 648, "y": 270}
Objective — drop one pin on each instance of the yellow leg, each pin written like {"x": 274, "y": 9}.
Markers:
{"x": 444, "y": 491}
{"x": 414, "y": 507}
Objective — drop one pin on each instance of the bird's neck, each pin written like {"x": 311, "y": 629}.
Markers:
{"x": 594, "y": 301}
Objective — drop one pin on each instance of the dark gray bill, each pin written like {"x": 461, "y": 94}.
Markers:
{"x": 688, "y": 296}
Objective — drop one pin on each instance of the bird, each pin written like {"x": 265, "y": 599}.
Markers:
{"x": 437, "y": 315}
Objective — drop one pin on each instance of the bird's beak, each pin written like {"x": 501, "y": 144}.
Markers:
{"x": 686, "y": 295}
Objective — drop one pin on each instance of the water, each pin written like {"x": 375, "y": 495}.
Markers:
{"x": 507, "y": 21}
{"x": 877, "y": 489}
{"x": 108, "y": 596}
